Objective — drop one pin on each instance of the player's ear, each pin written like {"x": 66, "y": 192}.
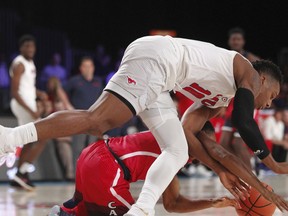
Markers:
{"x": 263, "y": 79}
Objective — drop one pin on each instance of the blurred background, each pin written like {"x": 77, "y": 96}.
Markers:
{"x": 67, "y": 31}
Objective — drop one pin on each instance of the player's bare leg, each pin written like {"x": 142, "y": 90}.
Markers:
{"x": 30, "y": 152}
{"x": 108, "y": 112}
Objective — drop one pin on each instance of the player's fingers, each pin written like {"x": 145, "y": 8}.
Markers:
{"x": 284, "y": 204}
{"x": 11, "y": 158}
{"x": 279, "y": 206}
{"x": 281, "y": 203}
{"x": 233, "y": 192}
{"x": 246, "y": 186}
{"x": 241, "y": 192}
{"x": 3, "y": 159}
{"x": 236, "y": 204}
{"x": 244, "y": 191}
{"x": 278, "y": 203}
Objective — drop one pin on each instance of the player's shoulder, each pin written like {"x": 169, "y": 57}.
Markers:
{"x": 18, "y": 59}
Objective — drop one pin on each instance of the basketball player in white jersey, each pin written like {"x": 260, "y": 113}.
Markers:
{"x": 151, "y": 67}
{"x": 23, "y": 105}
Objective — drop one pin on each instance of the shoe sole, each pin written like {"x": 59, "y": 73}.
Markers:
{"x": 23, "y": 184}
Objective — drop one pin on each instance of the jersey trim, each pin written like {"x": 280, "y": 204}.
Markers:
{"x": 139, "y": 153}
{"x": 125, "y": 101}
{"x": 114, "y": 193}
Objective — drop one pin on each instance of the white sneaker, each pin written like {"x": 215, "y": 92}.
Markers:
{"x": 203, "y": 172}
{"x": 7, "y": 151}
{"x": 136, "y": 211}
{"x": 54, "y": 211}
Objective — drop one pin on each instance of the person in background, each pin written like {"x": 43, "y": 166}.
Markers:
{"x": 83, "y": 90}
{"x": 236, "y": 42}
{"x": 285, "y": 120}
{"x": 4, "y": 84}
{"x": 24, "y": 106}
{"x": 273, "y": 131}
{"x": 60, "y": 101}
{"x": 54, "y": 69}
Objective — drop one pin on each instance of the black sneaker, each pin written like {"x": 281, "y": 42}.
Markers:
{"x": 22, "y": 181}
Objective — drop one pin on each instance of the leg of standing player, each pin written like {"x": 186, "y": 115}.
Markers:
{"x": 106, "y": 113}
{"x": 167, "y": 129}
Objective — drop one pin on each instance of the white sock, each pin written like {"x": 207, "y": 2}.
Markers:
{"x": 22, "y": 135}
{"x": 24, "y": 168}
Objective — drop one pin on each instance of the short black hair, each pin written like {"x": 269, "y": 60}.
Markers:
{"x": 268, "y": 67}
{"x": 26, "y": 38}
{"x": 236, "y": 30}
{"x": 208, "y": 127}
{"x": 86, "y": 58}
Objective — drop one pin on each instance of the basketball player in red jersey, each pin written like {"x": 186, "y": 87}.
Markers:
{"x": 118, "y": 162}
{"x": 232, "y": 141}
{"x": 151, "y": 67}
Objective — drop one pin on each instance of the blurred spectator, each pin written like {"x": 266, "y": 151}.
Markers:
{"x": 236, "y": 41}
{"x": 102, "y": 61}
{"x": 24, "y": 106}
{"x": 54, "y": 69}
{"x": 59, "y": 101}
{"x": 4, "y": 85}
{"x": 285, "y": 120}
{"x": 273, "y": 131}
{"x": 83, "y": 90}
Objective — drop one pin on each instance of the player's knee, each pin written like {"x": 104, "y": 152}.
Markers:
{"x": 179, "y": 151}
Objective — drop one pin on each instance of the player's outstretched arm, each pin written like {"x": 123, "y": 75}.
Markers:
{"x": 235, "y": 166}
{"x": 193, "y": 121}
{"x": 248, "y": 84}
{"x": 173, "y": 201}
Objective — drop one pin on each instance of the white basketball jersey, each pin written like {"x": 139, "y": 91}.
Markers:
{"x": 206, "y": 73}
{"x": 27, "y": 88}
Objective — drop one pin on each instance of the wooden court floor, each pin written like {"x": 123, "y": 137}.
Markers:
{"x": 20, "y": 203}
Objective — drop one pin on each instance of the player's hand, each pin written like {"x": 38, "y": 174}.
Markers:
{"x": 9, "y": 158}
{"x": 7, "y": 151}
{"x": 225, "y": 202}
{"x": 238, "y": 188}
{"x": 279, "y": 201}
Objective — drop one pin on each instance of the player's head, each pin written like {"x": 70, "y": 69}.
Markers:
{"x": 209, "y": 130}
{"x": 236, "y": 39}
{"x": 278, "y": 114}
{"x": 27, "y": 46}
{"x": 87, "y": 67}
{"x": 271, "y": 80}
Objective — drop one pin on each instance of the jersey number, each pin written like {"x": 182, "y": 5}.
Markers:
{"x": 199, "y": 92}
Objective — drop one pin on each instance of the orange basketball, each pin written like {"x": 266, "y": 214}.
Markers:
{"x": 256, "y": 204}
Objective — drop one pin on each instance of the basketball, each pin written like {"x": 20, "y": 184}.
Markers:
{"x": 256, "y": 204}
